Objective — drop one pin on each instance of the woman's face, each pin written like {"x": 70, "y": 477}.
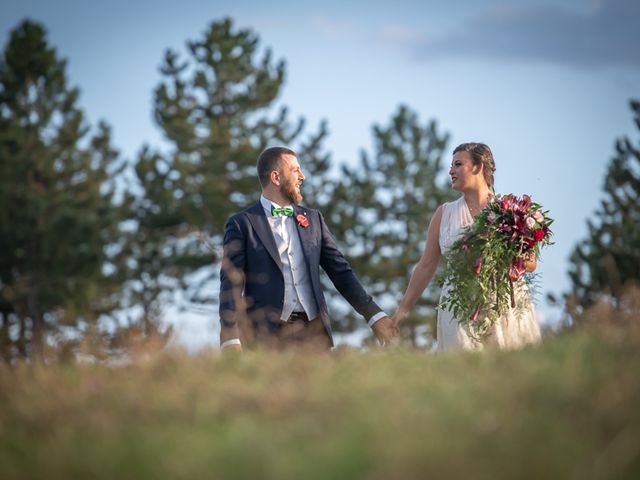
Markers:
{"x": 464, "y": 174}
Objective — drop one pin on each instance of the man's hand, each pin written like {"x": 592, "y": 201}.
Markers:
{"x": 384, "y": 331}
{"x": 232, "y": 348}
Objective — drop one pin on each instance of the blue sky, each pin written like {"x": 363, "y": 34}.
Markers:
{"x": 546, "y": 87}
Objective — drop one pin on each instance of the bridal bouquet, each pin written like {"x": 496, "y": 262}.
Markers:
{"x": 482, "y": 266}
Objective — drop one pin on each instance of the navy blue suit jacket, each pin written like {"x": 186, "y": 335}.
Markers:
{"x": 251, "y": 279}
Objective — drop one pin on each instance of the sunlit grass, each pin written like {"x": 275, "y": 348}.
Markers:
{"x": 566, "y": 409}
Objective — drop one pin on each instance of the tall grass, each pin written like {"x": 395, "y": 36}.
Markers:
{"x": 567, "y": 409}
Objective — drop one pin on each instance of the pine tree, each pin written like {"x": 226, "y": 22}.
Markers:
{"x": 217, "y": 110}
{"x": 382, "y": 209}
{"x": 608, "y": 260}
{"x": 57, "y": 219}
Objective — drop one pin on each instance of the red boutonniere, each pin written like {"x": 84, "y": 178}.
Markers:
{"x": 302, "y": 220}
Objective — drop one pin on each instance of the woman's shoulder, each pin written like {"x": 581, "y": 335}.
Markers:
{"x": 450, "y": 210}
{"x": 452, "y": 204}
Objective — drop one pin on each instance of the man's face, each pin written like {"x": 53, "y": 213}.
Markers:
{"x": 291, "y": 178}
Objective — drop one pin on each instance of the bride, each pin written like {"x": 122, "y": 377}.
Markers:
{"x": 471, "y": 172}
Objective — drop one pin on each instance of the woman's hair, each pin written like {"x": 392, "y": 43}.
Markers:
{"x": 480, "y": 154}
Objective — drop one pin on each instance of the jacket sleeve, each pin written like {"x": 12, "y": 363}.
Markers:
{"x": 232, "y": 280}
{"x": 345, "y": 280}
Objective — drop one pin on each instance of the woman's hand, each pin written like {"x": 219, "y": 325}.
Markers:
{"x": 398, "y": 317}
{"x": 530, "y": 262}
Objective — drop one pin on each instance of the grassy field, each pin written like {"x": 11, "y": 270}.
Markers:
{"x": 569, "y": 409}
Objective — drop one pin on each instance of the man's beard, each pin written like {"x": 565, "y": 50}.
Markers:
{"x": 289, "y": 191}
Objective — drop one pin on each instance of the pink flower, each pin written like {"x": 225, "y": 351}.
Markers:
{"x": 530, "y": 221}
{"x": 538, "y": 216}
{"x": 516, "y": 269}
{"x": 475, "y": 314}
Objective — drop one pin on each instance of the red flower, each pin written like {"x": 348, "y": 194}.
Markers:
{"x": 302, "y": 220}
{"x": 477, "y": 266}
{"x": 538, "y": 234}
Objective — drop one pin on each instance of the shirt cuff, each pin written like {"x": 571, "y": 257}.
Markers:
{"x": 376, "y": 317}
{"x": 233, "y": 341}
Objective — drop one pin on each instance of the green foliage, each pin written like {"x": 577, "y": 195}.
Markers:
{"x": 565, "y": 409}
{"x": 57, "y": 213}
{"x": 382, "y": 207}
{"x": 608, "y": 260}
{"x": 217, "y": 112}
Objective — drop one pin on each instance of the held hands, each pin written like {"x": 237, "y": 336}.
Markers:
{"x": 385, "y": 331}
{"x": 397, "y": 318}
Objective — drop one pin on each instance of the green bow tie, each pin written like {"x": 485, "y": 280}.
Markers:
{"x": 283, "y": 212}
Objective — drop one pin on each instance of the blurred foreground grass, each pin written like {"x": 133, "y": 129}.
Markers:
{"x": 568, "y": 409}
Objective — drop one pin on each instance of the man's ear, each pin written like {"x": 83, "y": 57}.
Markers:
{"x": 275, "y": 178}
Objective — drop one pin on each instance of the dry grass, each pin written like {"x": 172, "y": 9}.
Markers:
{"x": 567, "y": 409}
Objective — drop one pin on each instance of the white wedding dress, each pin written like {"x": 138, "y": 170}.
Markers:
{"x": 518, "y": 327}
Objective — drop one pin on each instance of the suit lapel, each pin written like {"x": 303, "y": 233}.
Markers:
{"x": 261, "y": 226}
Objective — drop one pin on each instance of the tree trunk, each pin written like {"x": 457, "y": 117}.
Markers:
{"x": 22, "y": 337}
{"x": 5, "y": 340}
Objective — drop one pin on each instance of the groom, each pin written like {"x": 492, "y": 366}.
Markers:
{"x": 270, "y": 292}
